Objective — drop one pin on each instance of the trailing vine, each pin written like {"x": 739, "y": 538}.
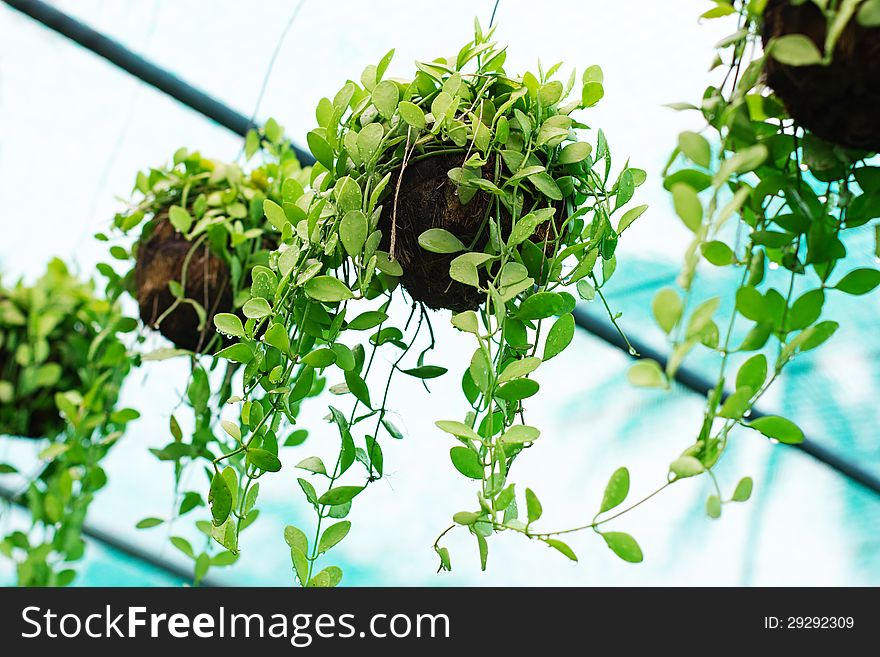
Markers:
{"x": 516, "y": 208}
{"x": 203, "y": 241}
{"x": 768, "y": 198}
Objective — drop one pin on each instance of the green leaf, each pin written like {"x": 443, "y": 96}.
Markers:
{"x": 736, "y": 405}
{"x": 339, "y": 495}
{"x": 616, "y": 490}
{"x": 624, "y": 546}
{"x": 308, "y": 490}
{"x": 437, "y": 240}
{"x": 779, "y": 428}
{"x": 869, "y": 14}
{"x": 686, "y": 466}
{"x": 533, "y": 506}
{"x": 256, "y": 308}
{"x": 183, "y": 545}
{"x": 276, "y": 336}
{"x": 592, "y": 93}
{"x": 333, "y": 535}
{"x": 465, "y": 517}
{"x": 220, "y": 499}
{"x": 368, "y": 140}
{"x": 625, "y": 189}
{"x": 412, "y": 114}
{"x": 366, "y": 320}
{"x": 562, "y": 547}
{"x": 585, "y": 290}
{"x": 795, "y": 50}
{"x": 545, "y": 184}
{"x": 232, "y": 429}
{"x": 519, "y": 434}
{"x": 321, "y": 149}
{"x": 573, "y": 153}
{"x": 312, "y": 464}
{"x": 752, "y": 373}
{"x": 667, "y": 307}
{"x": 353, "y": 231}
{"x": 229, "y": 324}
{"x": 180, "y": 218}
{"x": 463, "y": 268}
{"x": 467, "y": 462}
{"x": 646, "y": 373}
{"x": 713, "y": 506}
{"x": 527, "y": 225}
{"x": 519, "y": 368}
{"x": 458, "y": 429}
{"x": 629, "y": 217}
{"x": 805, "y": 310}
{"x": 358, "y": 388}
{"x": 743, "y": 490}
{"x": 559, "y": 336}
{"x": 426, "y": 371}
{"x": 541, "y": 305}
{"x": 275, "y": 214}
{"x": 859, "y": 281}
{"x": 385, "y": 98}
{"x": 816, "y": 335}
{"x": 517, "y": 390}
{"x": 295, "y": 537}
{"x": 146, "y": 523}
{"x": 696, "y": 148}
{"x": 264, "y": 460}
{"x": 466, "y": 321}
{"x": 718, "y": 253}
{"x": 300, "y": 564}
{"x": 702, "y": 316}
{"x": 327, "y": 289}
{"x": 687, "y": 206}
{"x": 237, "y": 353}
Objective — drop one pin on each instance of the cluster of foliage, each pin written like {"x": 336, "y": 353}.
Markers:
{"x": 207, "y": 201}
{"x": 62, "y": 361}
{"x": 330, "y": 258}
{"x": 221, "y": 204}
{"x": 770, "y": 200}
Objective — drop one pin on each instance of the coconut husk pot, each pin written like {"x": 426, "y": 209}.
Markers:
{"x": 160, "y": 260}
{"x": 429, "y": 199}
{"x": 840, "y": 102}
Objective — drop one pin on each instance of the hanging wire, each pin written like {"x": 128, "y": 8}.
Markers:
{"x": 278, "y": 46}
{"x": 494, "y": 9}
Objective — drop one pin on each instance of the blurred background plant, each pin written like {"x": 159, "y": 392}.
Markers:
{"x": 63, "y": 359}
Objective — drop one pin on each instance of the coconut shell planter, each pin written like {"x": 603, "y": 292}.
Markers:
{"x": 428, "y": 198}
{"x": 167, "y": 257}
{"x": 838, "y": 101}
{"x": 205, "y": 233}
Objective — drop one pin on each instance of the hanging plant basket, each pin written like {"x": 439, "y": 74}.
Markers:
{"x": 838, "y": 100}
{"x": 45, "y": 335}
{"x": 205, "y": 232}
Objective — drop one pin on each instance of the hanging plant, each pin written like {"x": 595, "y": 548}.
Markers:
{"x": 62, "y": 363}
{"x": 203, "y": 246}
{"x": 473, "y": 190}
{"x": 823, "y": 63}
{"x": 202, "y": 234}
{"x": 773, "y": 201}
